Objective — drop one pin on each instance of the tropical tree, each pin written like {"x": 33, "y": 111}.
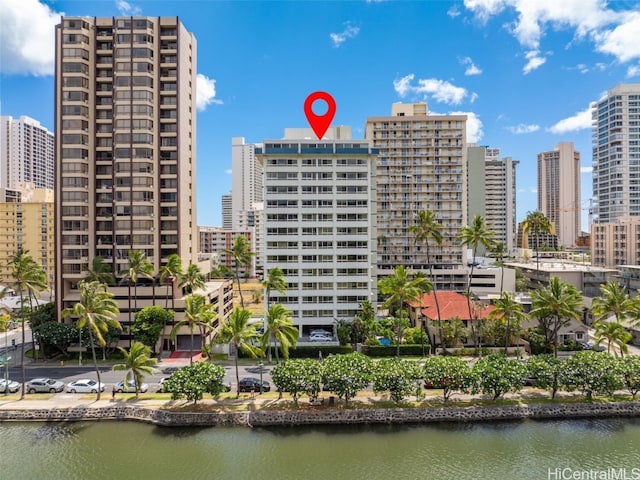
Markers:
{"x": 100, "y": 272}
{"x": 497, "y": 375}
{"x": 279, "y": 329}
{"x": 191, "y": 279}
{"x": 137, "y": 364}
{"x": 630, "y": 368}
{"x": 242, "y": 255}
{"x": 97, "y": 310}
{"x": 298, "y": 376}
{"x": 400, "y": 290}
{"x": 555, "y": 306}
{"x": 194, "y": 380}
{"x": 198, "y": 313}
{"x": 453, "y": 331}
{"x": 451, "y": 374}
{"x": 169, "y": 272}
{"x": 139, "y": 267}
{"x": 536, "y": 223}
{"x": 397, "y": 376}
{"x": 425, "y": 229}
{"x": 345, "y": 375}
{"x": 546, "y": 370}
{"x": 615, "y": 334}
{"x": 242, "y": 336}
{"x": 474, "y": 236}
{"x": 27, "y": 276}
{"x": 274, "y": 282}
{"x": 499, "y": 250}
{"x": 508, "y": 310}
{"x": 591, "y": 373}
{"x": 613, "y": 299}
{"x": 149, "y": 323}
{"x": 364, "y": 322}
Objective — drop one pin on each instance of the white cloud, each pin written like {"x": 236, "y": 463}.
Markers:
{"x": 522, "y": 128}
{"x": 440, "y": 90}
{"x": 125, "y": 8}
{"x": 454, "y": 11}
{"x": 205, "y": 92}
{"x": 580, "y": 121}
{"x": 534, "y": 61}
{"x": 228, "y": 171}
{"x": 472, "y": 69}
{"x": 614, "y": 32}
{"x": 349, "y": 32}
{"x": 26, "y": 37}
{"x": 474, "y": 126}
{"x": 586, "y": 169}
{"x": 633, "y": 71}
{"x": 533, "y": 189}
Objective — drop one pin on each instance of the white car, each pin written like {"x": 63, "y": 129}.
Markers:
{"x": 13, "y": 386}
{"x": 320, "y": 338}
{"x": 131, "y": 387}
{"x": 85, "y": 385}
{"x": 320, "y": 332}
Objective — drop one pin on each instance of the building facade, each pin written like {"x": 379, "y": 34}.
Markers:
{"x": 26, "y": 224}
{"x": 559, "y": 191}
{"x": 215, "y": 240}
{"x": 26, "y": 153}
{"x": 616, "y": 176}
{"x": 125, "y": 103}
{"x": 422, "y": 165}
{"x": 491, "y": 192}
{"x": 320, "y": 227}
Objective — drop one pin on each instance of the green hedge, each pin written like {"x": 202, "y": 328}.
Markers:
{"x": 391, "y": 350}
{"x": 314, "y": 352}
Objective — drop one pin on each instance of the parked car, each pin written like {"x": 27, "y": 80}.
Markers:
{"x": 250, "y": 384}
{"x": 529, "y": 381}
{"x": 130, "y": 387}
{"x": 44, "y": 385}
{"x": 13, "y": 386}
{"x": 593, "y": 346}
{"x": 85, "y": 385}
{"x": 320, "y": 338}
{"x": 319, "y": 331}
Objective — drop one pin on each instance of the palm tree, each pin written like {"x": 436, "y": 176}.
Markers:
{"x": 242, "y": 335}
{"x": 536, "y": 223}
{"x": 274, "y": 281}
{"x": 198, "y": 313}
{"x": 555, "y": 306}
{"x": 428, "y": 228}
{"x": 279, "y": 328}
{"x": 507, "y": 308}
{"x": 98, "y": 310}
{"x": 473, "y": 236}
{"x": 615, "y": 334}
{"x": 192, "y": 279}
{"x": 613, "y": 299}
{"x": 100, "y": 272}
{"x": 400, "y": 290}
{"x": 28, "y": 277}
{"x": 169, "y": 272}
{"x": 499, "y": 250}
{"x": 241, "y": 254}
{"x": 137, "y": 364}
{"x": 139, "y": 267}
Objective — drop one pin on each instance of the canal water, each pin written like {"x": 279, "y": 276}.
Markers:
{"x": 507, "y": 450}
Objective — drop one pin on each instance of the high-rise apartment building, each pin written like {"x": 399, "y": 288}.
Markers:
{"x": 227, "y": 211}
{"x": 125, "y": 113}
{"x": 422, "y": 165}
{"x": 320, "y": 201}
{"x": 616, "y": 155}
{"x": 491, "y": 191}
{"x": 559, "y": 191}
{"x": 215, "y": 240}
{"x": 26, "y": 224}
{"x": 616, "y": 176}
{"x": 26, "y": 153}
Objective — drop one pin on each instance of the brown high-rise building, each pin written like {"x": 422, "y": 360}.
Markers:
{"x": 125, "y": 93}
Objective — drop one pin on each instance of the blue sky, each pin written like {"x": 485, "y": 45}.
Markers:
{"x": 525, "y": 71}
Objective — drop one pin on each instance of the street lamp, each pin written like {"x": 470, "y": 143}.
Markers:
{"x": 260, "y": 365}
{"x": 6, "y": 360}
{"x": 80, "y": 348}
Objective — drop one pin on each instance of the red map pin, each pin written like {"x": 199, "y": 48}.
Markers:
{"x": 320, "y": 123}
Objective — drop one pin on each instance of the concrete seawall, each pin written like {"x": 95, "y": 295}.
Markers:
{"x": 268, "y": 417}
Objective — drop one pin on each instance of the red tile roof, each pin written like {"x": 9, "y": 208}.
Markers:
{"x": 452, "y": 305}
